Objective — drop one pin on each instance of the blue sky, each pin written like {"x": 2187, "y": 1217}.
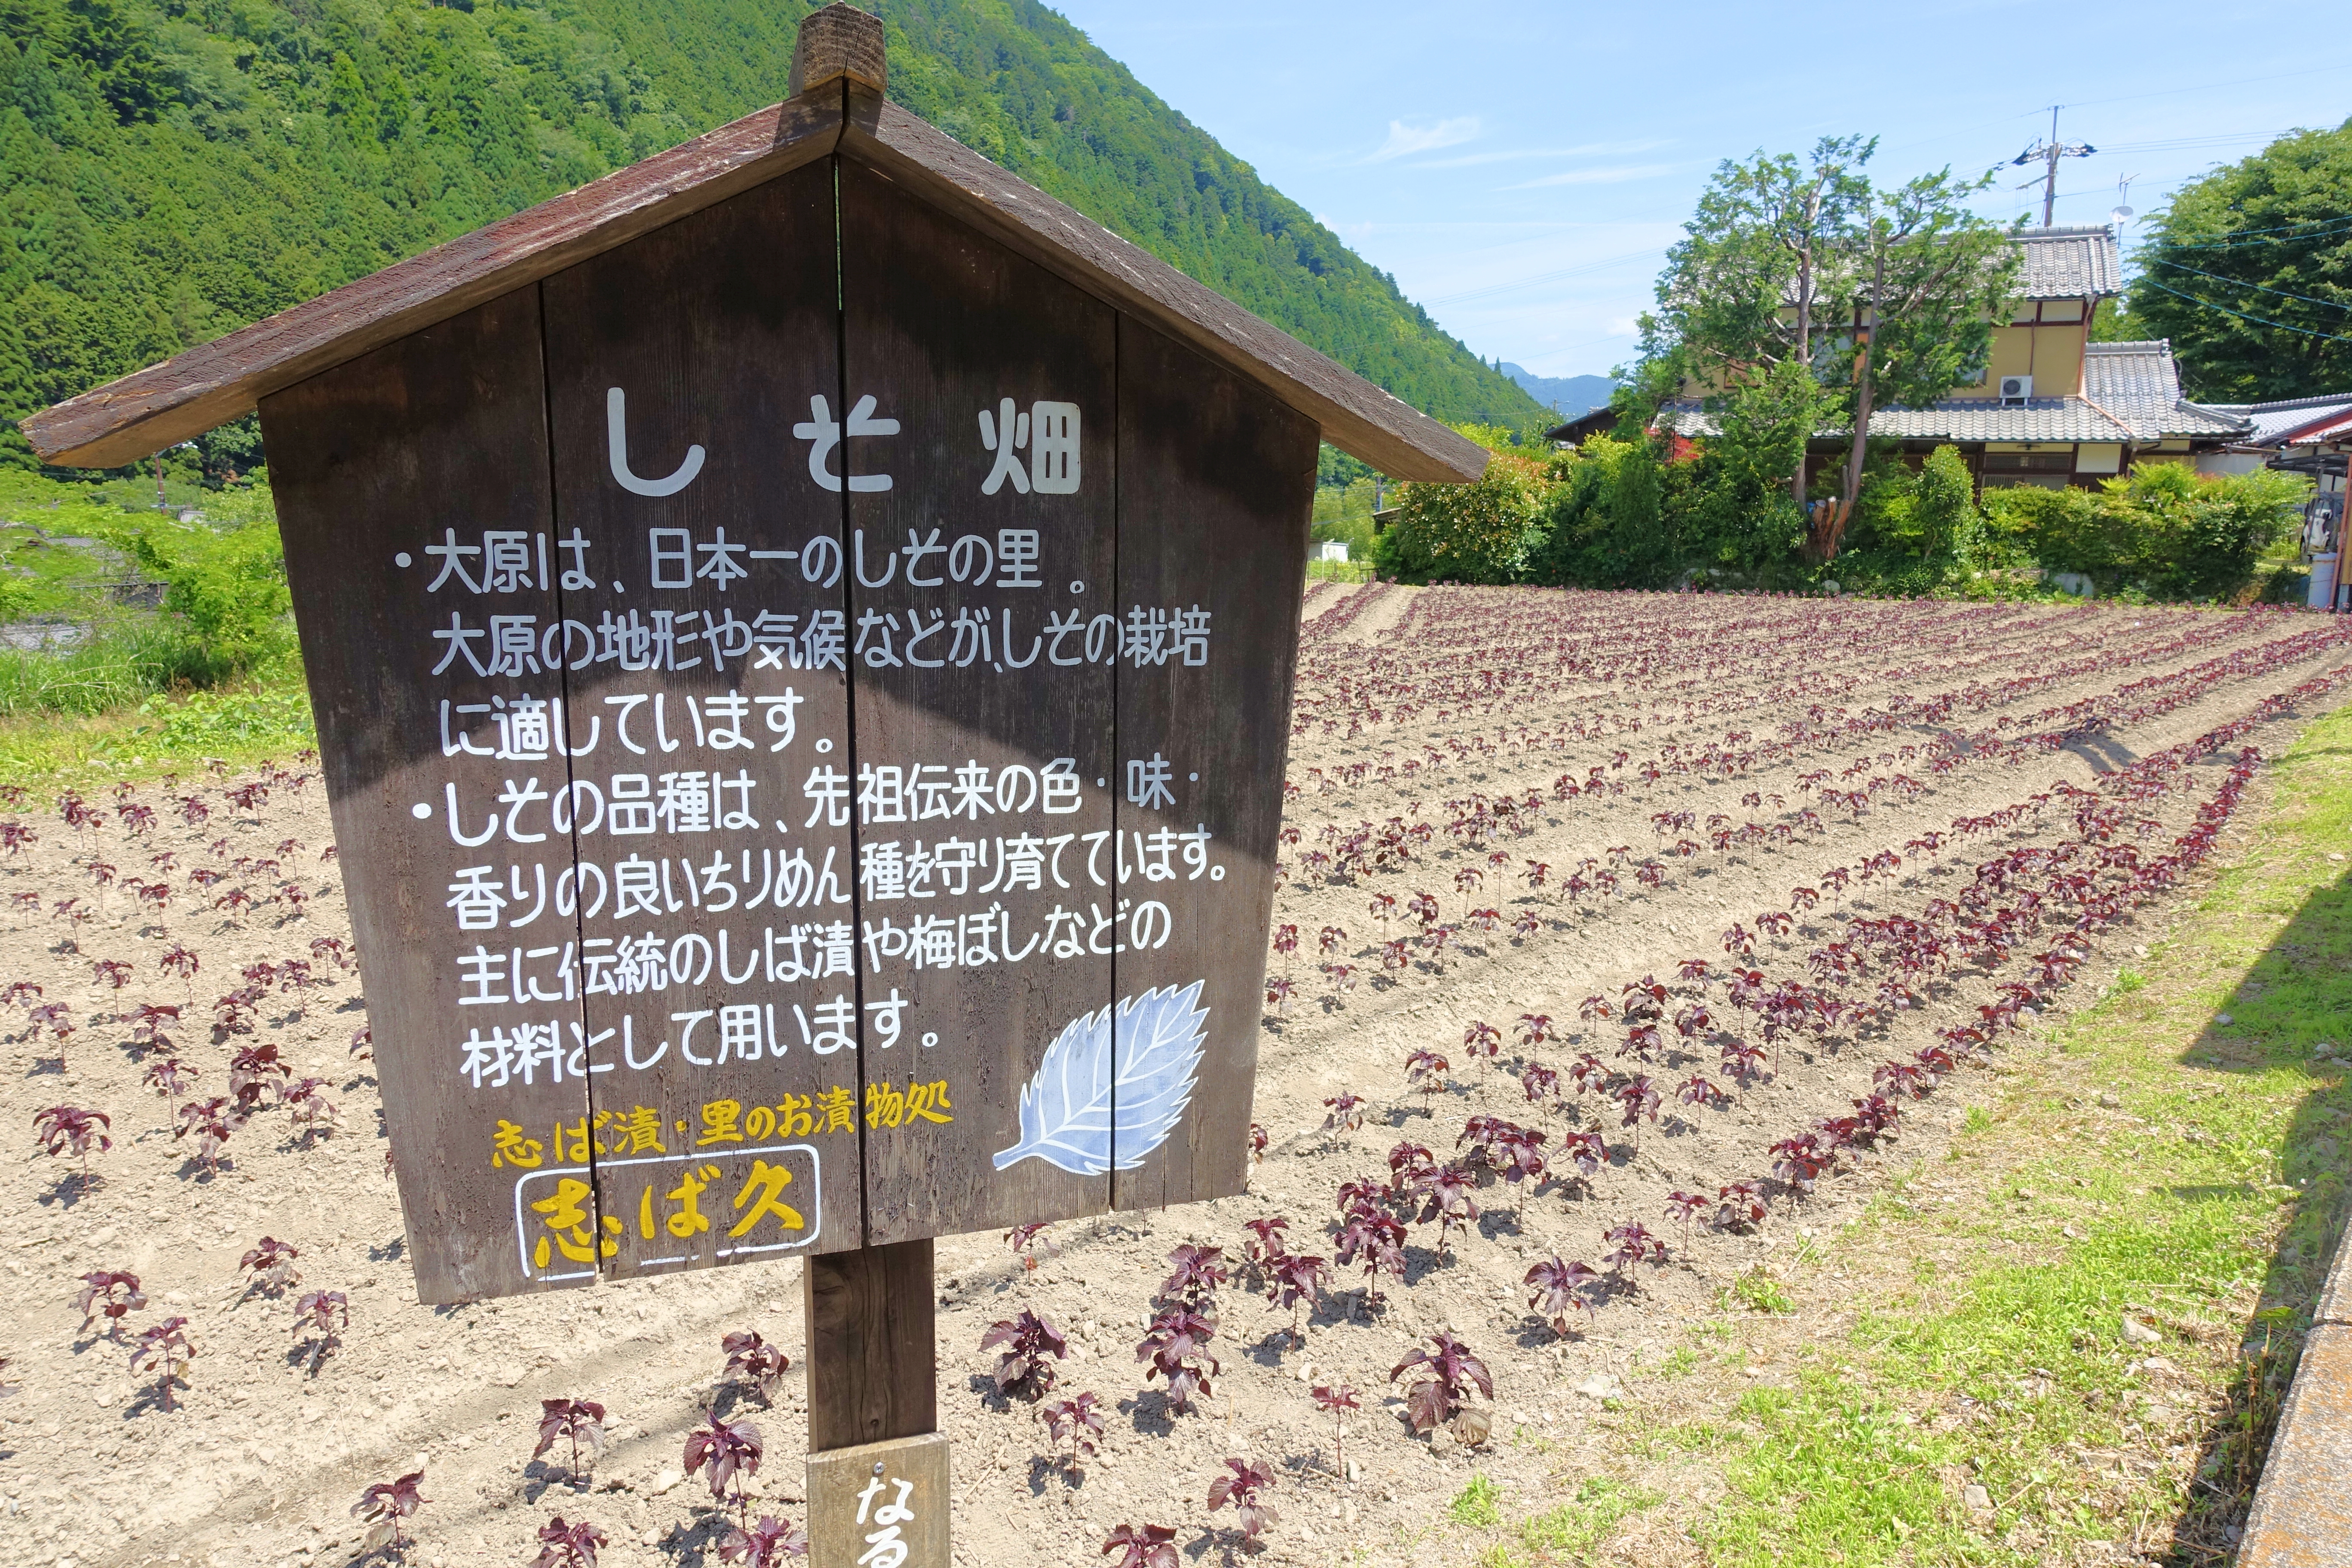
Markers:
{"x": 1520, "y": 167}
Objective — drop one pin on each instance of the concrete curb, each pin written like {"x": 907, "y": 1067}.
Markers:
{"x": 2302, "y": 1516}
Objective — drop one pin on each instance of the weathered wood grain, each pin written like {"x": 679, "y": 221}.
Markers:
{"x": 839, "y": 1477}
{"x": 717, "y": 328}
{"x": 1215, "y": 489}
{"x": 191, "y": 393}
{"x": 942, "y": 325}
{"x": 838, "y": 40}
{"x": 872, "y": 1319}
{"x": 442, "y": 430}
{"x": 1026, "y": 375}
{"x": 1354, "y": 415}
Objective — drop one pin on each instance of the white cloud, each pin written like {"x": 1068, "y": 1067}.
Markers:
{"x": 1406, "y": 140}
{"x": 1609, "y": 175}
{"x": 1596, "y": 149}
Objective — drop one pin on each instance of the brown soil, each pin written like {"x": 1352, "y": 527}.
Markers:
{"x": 260, "y": 1461}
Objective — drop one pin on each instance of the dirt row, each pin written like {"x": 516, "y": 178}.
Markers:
{"x": 262, "y": 1459}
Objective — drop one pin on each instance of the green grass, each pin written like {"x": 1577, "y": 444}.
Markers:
{"x": 1478, "y": 1506}
{"x": 1680, "y": 1363}
{"x": 266, "y": 716}
{"x": 2214, "y": 1209}
{"x": 1572, "y": 1529}
{"x": 1835, "y": 1475}
{"x": 1760, "y": 1292}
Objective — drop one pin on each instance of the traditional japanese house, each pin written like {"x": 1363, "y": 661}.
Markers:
{"x": 2311, "y": 436}
{"x": 2054, "y": 408}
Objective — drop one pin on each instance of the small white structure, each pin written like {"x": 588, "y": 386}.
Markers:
{"x": 1331, "y": 550}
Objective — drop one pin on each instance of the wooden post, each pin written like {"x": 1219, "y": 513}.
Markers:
{"x": 877, "y": 1460}
{"x": 870, "y": 1344}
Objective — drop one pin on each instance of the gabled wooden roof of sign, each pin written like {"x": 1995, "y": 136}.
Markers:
{"x": 837, "y": 107}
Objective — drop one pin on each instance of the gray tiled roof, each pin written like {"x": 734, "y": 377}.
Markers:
{"x": 2274, "y": 422}
{"x": 2074, "y": 263}
{"x": 1963, "y": 419}
{"x": 1981, "y": 420}
{"x": 2132, "y": 393}
{"x": 2139, "y": 384}
{"x": 2117, "y": 376}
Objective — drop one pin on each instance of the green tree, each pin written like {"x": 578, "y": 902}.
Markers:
{"x": 2249, "y": 272}
{"x": 1927, "y": 513}
{"x": 1930, "y": 276}
{"x": 1760, "y": 285}
{"x": 1611, "y": 523}
{"x": 112, "y": 41}
{"x": 173, "y": 169}
{"x": 1874, "y": 295}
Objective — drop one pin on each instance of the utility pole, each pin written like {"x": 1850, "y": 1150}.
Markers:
{"x": 2049, "y": 152}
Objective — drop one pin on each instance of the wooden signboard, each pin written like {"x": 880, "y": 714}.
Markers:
{"x": 805, "y": 719}
{"x": 801, "y": 632}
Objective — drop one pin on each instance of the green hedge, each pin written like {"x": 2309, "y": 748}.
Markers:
{"x": 1630, "y": 514}
{"x": 2164, "y": 530}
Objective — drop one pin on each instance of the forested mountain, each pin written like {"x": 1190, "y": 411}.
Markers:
{"x": 1568, "y": 395}
{"x": 171, "y": 169}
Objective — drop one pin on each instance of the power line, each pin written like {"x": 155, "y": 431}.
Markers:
{"x": 2243, "y": 316}
{"x": 1958, "y": 132}
{"x": 2241, "y": 283}
{"x": 2317, "y": 229}
{"x": 2189, "y": 143}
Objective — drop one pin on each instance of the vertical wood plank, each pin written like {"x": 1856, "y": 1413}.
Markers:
{"x": 706, "y": 667}
{"x": 988, "y": 912}
{"x": 872, "y": 1320}
{"x": 895, "y": 1490}
{"x": 1216, "y": 489}
{"x": 431, "y": 441}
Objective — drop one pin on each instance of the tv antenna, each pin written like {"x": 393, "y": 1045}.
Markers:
{"x": 2049, "y": 152}
{"x": 2123, "y": 213}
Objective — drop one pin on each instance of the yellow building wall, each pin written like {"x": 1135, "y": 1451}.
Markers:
{"x": 2051, "y": 353}
{"x": 2057, "y": 360}
{"x": 2012, "y": 354}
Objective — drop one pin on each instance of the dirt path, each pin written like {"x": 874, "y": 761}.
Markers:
{"x": 260, "y": 1462}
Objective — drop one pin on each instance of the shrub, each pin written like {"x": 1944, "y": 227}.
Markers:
{"x": 2189, "y": 535}
{"x": 1926, "y": 513}
{"x": 2056, "y": 529}
{"x": 2164, "y": 528}
{"x": 1467, "y": 533}
{"x": 229, "y": 585}
{"x": 1607, "y": 526}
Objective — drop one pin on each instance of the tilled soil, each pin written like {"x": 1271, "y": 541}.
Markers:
{"x": 261, "y": 1458}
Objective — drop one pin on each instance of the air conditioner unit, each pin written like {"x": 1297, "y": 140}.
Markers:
{"x": 2016, "y": 388}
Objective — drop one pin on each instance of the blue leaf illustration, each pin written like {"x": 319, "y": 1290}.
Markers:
{"x": 1081, "y": 1106}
